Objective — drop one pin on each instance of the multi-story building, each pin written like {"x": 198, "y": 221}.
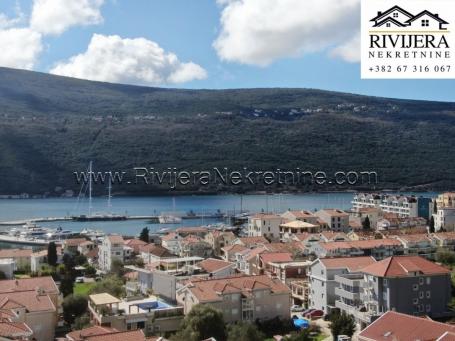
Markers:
{"x": 377, "y": 248}
{"x": 193, "y": 245}
{"x": 407, "y": 284}
{"x": 404, "y": 206}
{"x": 289, "y": 229}
{"x": 336, "y": 220}
{"x": 322, "y": 279}
{"x": 445, "y": 200}
{"x": 265, "y": 225}
{"x": 99, "y": 333}
{"x": 152, "y": 253}
{"x": 219, "y": 239}
{"x": 302, "y": 215}
{"x": 444, "y": 240}
{"x": 444, "y": 219}
{"x": 216, "y": 268}
{"x": 152, "y": 315}
{"x": 241, "y": 298}
{"x": 418, "y": 245}
{"x": 171, "y": 241}
{"x": 111, "y": 249}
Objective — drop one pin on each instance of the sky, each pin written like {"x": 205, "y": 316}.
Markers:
{"x": 211, "y": 44}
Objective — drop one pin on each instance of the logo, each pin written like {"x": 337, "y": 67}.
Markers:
{"x": 407, "y": 39}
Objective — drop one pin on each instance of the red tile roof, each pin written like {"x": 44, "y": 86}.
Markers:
{"x": 210, "y": 290}
{"x": 79, "y": 335}
{"x": 24, "y": 284}
{"x": 249, "y": 241}
{"x": 350, "y": 263}
{"x": 234, "y": 248}
{"x": 170, "y": 236}
{"x": 16, "y": 253}
{"x": 360, "y": 244}
{"x": 213, "y": 265}
{"x": 14, "y": 330}
{"x": 27, "y": 299}
{"x": 396, "y": 326}
{"x": 133, "y": 335}
{"x": 116, "y": 239}
{"x": 276, "y": 257}
{"x": 156, "y": 250}
{"x": 134, "y": 242}
{"x": 74, "y": 241}
{"x": 400, "y": 266}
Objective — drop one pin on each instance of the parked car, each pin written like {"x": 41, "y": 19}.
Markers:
{"x": 79, "y": 279}
{"x": 297, "y": 308}
{"x": 307, "y": 311}
{"x": 315, "y": 314}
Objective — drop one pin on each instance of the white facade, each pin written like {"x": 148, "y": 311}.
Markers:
{"x": 445, "y": 219}
{"x": 336, "y": 220}
{"x": 109, "y": 250}
{"x": 404, "y": 206}
{"x": 265, "y": 225}
{"x": 7, "y": 266}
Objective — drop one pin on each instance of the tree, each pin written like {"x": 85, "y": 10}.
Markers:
{"x": 90, "y": 271}
{"x": 52, "y": 254}
{"x": 66, "y": 285}
{"x": 202, "y": 322}
{"x": 112, "y": 285}
{"x": 117, "y": 268}
{"x": 366, "y": 224}
{"x": 432, "y": 224}
{"x": 303, "y": 335}
{"x": 144, "y": 236}
{"x": 342, "y": 324}
{"x": 435, "y": 207}
{"x": 244, "y": 332}
{"x": 73, "y": 307}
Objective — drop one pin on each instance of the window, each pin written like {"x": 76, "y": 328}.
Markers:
{"x": 415, "y": 301}
{"x": 421, "y": 294}
{"x": 385, "y": 281}
{"x": 421, "y": 280}
{"x": 395, "y": 15}
{"x": 425, "y": 23}
{"x": 428, "y": 280}
{"x": 428, "y": 308}
{"x": 421, "y": 308}
{"x": 415, "y": 287}
{"x": 428, "y": 294}
{"x": 234, "y": 311}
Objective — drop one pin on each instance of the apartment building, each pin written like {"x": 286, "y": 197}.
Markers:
{"x": 397, "y": 326}
{"x": 336, "y": 220}
{"x": 241, "y": 298}
{"x": 445, "y": 200}
{"x": 171, "y": 241}
{"x": 193, "y": 245}
{"x": 265, "y": 225}
{"x": 152, "y": 253}
{"x": 112, "y": 248}
{"x": 135, "y": 244}
{"x": 71, "y": 245}
{"x": 216, "y": 268}
{"x": 150, "y": 314}
{"x": 404, "y": 206}
{"x": 322, "y": 279}
{"x": 418, "y": 245}
{"x": 406, "y": 284}
{"x": 289, "y": 229}
{"x": 444, "y": 219}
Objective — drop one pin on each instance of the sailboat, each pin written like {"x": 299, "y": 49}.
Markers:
{"x": 171, "y": 217}
{"x": 98, "y": 216}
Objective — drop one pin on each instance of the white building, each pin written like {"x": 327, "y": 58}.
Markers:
{"x": 445, "y": 219}
{"x": 404, "y": 206}
{"x": 7, "y": 266}
{"x": 265, "y": 225}
{"x": 336, "y": 220}
{"x": 109, "y": 250}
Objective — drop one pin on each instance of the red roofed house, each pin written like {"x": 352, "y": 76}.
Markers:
{"x": 406, "y": 284}
{"x": 22, "y": 257}
{"x": 135, "y": 244}
{"x": 241, "y": 298}
{"x": 217, "y": 268}
{"x": 218, "y": 240}
{"x": 397, "y": 326}
{"x": 265, "y": 225}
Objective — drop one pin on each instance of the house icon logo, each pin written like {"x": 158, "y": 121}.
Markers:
{"x": 396, "y": 18}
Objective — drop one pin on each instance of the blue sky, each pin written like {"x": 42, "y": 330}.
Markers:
{"x": 188, "y": 30}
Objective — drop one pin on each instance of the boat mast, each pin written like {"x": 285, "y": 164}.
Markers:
{"x": 90, "y": 190}
{"x": 109, "y": 204}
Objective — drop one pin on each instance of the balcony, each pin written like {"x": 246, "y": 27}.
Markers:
{"x": 364, "y": 316}
{"x": 355, "y": 296}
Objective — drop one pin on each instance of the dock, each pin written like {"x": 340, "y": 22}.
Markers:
{"x": 25, "y": 241}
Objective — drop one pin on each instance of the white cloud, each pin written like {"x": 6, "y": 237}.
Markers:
{"x": 20, "y": 48}
{"x": 349, "y": 51}
{"x": 55, "y": 16}
{"x": 258, "y": 32}
{"x": 133, "y": 61}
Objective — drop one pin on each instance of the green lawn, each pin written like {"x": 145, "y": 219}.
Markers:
{"x": 82, "y": 288}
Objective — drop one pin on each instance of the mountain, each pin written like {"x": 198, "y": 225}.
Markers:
{"x": 52, "y": 126}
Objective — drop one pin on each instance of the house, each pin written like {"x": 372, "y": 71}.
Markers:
{"x": 336, "y": 220}
{"x": 83, "y": 334}
{"x": 322, "y": 279}
{"x": 444, "y": 240}
{"x": 33, "y": 302}
{"x": 39, "y": 258}
{"x": 86, "y": 247}
{"x": 372, "y": 213}
{"x": 229, "y": 252}
{"x": 135, "y": 244}
{"x": 265, "y": 225}
{"x": 217, "y": 268}
{"x": 444, "y": 219}
{"x": 396, "y": 326}
{"x": 7, "y": 267}
{"x": 262, "y": 261}
{"x": 70, "y": 245}
{"x": 10, "y": 330}
{"x": 196, "y": 231}
{"x": 251, "y": 242}
{"x": 22, "y": 257}
{"x": 193, "y": 245}
{"x": 219, "y": 239}
{"x": 98, "y": 333}
{"x": 151, "y": 253}
{"x": 406, "y": 284}
{"x": 418, "y": 245}
{"x": 171, "y": 241}
{"x": 426, "y": 21}
{"x": 287, "y": 230}
{"x": 151, "y": 314}
{"x": 111, "y": 249}
{"x": 240, "y": 298}
{"x": 395, "y": 17}
{"x": 300, "y": 215}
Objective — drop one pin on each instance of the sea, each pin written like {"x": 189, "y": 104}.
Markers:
{"x": 23, "y": 209}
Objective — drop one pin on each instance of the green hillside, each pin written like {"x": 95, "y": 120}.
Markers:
{"x": 52, "y": 126}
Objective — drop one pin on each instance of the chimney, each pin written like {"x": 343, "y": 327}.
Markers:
{"x": 436, "y": 15}
{"x": 379, "y": 12}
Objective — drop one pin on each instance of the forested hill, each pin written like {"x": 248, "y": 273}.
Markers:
{"x": 52, "y": 126}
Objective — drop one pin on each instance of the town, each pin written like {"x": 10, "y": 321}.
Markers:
{"x": 380, "y": 271}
